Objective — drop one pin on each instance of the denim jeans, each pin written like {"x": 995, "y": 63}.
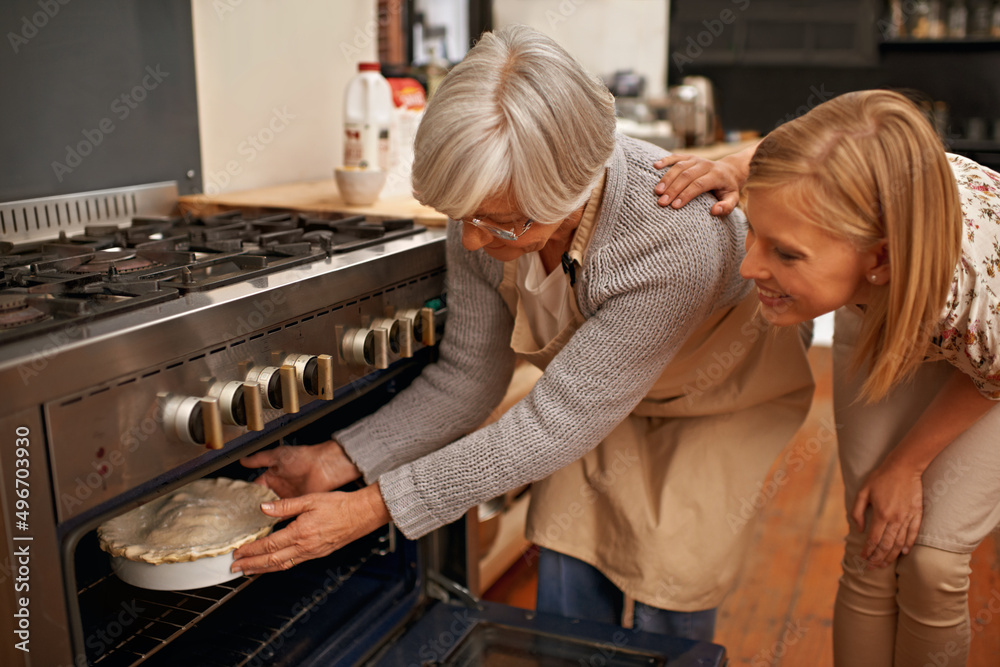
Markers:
{"x": 569, "y": 587}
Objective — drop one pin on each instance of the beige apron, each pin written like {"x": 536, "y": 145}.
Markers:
{"x": 665, "y": 505}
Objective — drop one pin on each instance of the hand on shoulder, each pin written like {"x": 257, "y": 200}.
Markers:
{"x": 690, "y": 176}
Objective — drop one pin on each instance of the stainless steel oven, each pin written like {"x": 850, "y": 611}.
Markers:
{"x": 140, "y": 352}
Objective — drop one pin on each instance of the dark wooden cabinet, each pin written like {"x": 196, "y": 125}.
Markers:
{"x": 774, "y": 60}
{"x": 774, "y": 32}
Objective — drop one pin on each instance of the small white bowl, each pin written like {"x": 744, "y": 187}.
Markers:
{"x": 359, "y": 187}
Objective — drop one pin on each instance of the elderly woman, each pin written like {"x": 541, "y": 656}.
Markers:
{"x": 663, "y": 400}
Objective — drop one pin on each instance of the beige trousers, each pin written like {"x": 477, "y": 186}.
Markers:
{"x": 912, "y": 613}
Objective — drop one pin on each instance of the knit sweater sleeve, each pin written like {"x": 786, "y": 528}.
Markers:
{"x": 455, "y": 394}
{"x": 649, "y": 277}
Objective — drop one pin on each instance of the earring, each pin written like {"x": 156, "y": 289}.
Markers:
{"x": 873, "y": 278}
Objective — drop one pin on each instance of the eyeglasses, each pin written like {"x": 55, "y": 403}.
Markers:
{"x": 508, "y": 232}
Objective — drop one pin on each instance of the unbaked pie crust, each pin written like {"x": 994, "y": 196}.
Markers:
{"x": 208, "y": 517}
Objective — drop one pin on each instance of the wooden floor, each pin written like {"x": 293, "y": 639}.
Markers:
{"x": 782, "y": 608}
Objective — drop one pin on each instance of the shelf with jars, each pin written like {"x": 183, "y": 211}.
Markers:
{"x": 947, "y": 24}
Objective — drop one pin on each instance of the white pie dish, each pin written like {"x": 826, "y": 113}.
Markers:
{"x": 200, "y": 573}
{"x": 186, "y": 539}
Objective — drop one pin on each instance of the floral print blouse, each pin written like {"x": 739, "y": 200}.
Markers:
{"x": 969, "y": 333}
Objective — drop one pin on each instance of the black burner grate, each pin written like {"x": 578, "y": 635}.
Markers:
{"x": 107, "y": 270}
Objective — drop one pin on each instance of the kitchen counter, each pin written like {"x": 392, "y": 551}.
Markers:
{"x": 322, "y": 196}
{"x": 313, "y": 196}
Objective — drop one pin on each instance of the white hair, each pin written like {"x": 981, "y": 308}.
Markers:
{"x": 518, "y": 115}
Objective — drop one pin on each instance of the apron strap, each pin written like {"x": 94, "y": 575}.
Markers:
{"x": 572, "y": 259}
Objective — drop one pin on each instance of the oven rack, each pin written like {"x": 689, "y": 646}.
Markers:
{"x": 261, "y": 650}
{"x": 167, "y": 619}
{"x": 165, "y": 616}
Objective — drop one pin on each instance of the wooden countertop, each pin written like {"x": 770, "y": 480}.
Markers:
{"x": 312, "y": 196}
{"x": 323, "y": 197}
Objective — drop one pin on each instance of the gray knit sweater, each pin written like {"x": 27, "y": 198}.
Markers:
{"x": 649, "y": 276}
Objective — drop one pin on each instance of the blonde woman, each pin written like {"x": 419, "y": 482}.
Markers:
{"x": 661, "y": 405}
{"x": 856, "y": 206}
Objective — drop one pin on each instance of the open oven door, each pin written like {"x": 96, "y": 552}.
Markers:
{"x": 413, "y": 611}
{"x": 497, "y": 635}
{"x": 421, "y": 614}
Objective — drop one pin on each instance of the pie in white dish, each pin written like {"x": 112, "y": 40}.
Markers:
{"x": 204, "y": 519}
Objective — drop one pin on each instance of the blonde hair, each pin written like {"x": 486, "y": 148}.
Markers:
{"x": 867, "y": 166}
{"x": 517, "y": 115}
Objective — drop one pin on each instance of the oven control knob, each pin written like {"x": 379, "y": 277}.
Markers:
{"x": 313, "y": 374}
{"x": 423, "y": 324}
{"x": 211, "y": 418}
{"x": 240, "y": 404}
{"x": 289, "y": 390}
{"x": 366, "y": 347}
{"x": 400, "y": 334}
{"x": 194, "y": 420}
{"x": 253, "y": 405}
{"x": 276, "y": 387}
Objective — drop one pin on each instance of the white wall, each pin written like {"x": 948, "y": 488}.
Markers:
{"x": 271, "y": 73}
{"x": 603, "y": 35}
{"x": 271, "y": 76}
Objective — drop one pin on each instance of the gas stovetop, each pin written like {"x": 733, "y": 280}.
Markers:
{"x": 49, "y": 285}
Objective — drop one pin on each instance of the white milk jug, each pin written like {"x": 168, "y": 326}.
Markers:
{"x": 368, "y": 109}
